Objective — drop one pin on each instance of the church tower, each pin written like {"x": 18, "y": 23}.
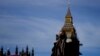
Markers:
{"x": 67, "y": 43}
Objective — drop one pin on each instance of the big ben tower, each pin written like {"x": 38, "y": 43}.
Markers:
{"x": 67, "y": 43}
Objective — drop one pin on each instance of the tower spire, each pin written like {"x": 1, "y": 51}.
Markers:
{"x": 68, "y": 13}
{"x": 68, "y": 25}
{"x": 68, "y": 16}
{"x": 67, "y": 43}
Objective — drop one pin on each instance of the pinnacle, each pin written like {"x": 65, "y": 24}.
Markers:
{"x": 68, "y": 13}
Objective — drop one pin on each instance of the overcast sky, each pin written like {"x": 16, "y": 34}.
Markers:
{"x": 36, "y": 22}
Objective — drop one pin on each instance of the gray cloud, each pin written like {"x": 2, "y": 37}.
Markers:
{"x": 36, "y": 31}
{"x": 31, "y": 31}
{"x": 88, "y": 34}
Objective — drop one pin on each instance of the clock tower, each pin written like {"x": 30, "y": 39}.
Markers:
{"x": 67, "y": 43}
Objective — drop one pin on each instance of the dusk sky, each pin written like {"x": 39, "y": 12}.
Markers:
{"x": 36, "y": 22}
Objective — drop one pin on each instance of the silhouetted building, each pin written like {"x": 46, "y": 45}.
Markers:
{"x": 16, "y": 50}
{"x": 32, "y": 52}
{"x": 4, "y": 54}
{"x": 17, "y": 53}
{"x": 1, "y": 51}
{"x": 67, "y": 43}
{"x": 22, "y": 52}
{"x": 8, "y": 52}
{"x": 27, "y": 51}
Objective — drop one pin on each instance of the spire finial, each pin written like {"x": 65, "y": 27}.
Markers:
{"x": 68, "y": 3}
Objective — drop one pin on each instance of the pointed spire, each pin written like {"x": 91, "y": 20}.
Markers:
{"x": 16, "y": 50}
{"x": 32, "y": 51}
{"x": 68, "y": 25}
{"x": 1, "y": 51}
{"x": 68, "y": 17}
{"x": 68, "y": 13}
{"x": 27, "y": 51}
